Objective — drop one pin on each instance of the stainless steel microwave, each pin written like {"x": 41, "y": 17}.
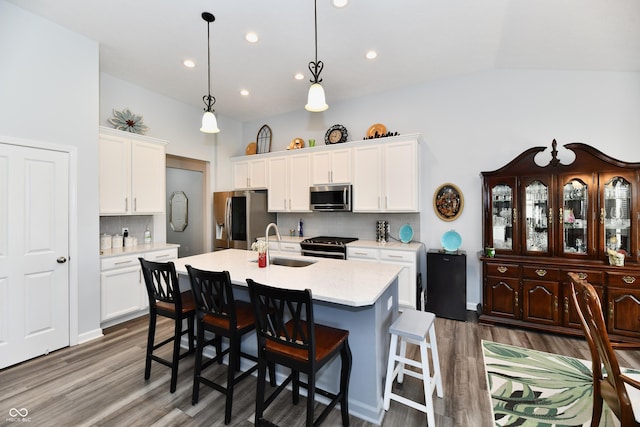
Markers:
{"x": 330, "y": 198}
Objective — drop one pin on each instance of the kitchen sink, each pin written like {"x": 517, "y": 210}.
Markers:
{"x": 289, "y": 262}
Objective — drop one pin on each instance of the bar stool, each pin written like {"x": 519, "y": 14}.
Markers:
{"x": 412, "y": 326}
{"x": 165, "y": 299}
{"x": 218, "y": 312}
{"x": 288, "y": 335}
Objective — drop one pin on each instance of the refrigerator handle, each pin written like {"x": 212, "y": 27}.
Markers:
{"x": 227, "y": 219}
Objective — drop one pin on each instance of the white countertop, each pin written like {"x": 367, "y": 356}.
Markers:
{"x": 352, "y": 283}
{"x": 130, "y": 250}
{"x": 411, "y": 246}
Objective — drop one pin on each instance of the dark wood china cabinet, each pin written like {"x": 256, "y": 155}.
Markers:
{"x": 547, "y": 220}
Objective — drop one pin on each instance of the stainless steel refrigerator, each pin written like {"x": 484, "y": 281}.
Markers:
{"x": 240, "y": 217}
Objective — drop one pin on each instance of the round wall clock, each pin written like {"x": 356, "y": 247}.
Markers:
{"x": 336, "y": 134}
{"x": 448, "y": 202}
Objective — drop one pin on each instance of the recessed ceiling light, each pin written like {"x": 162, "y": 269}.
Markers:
{"x": 189, "y": 63}
{"x": 339, "y": 3}
{"x": 251, "y": 37}
{"x": 244, "y": 92}
{"x": 372, "y": 54}
{"x": 298, "y": 76}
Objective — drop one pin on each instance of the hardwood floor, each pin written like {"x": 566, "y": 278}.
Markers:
{"x": 102, "y": 383}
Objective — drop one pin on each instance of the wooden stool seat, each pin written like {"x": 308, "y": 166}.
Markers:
{"x": 414, "y": 326}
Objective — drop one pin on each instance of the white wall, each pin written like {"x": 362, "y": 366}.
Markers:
{"x": 49, "y": 95}
{"x": 479, "y": 122}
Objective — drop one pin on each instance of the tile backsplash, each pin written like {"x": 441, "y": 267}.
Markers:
{"x": 137, "y": 224}
{"x": 348, "y": 224}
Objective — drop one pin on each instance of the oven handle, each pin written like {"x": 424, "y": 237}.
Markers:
{"x": 335, "y": 255}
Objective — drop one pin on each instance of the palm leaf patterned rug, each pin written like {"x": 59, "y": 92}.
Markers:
{"x": 530, "y": 388}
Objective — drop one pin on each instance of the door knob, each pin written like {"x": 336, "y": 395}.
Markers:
{"x": 61, "y": 260}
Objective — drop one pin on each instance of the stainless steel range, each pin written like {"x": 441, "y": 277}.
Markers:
{"x": 326, "y": 246}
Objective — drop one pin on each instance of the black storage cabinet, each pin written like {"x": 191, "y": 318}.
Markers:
{"x": 446, "y": 290}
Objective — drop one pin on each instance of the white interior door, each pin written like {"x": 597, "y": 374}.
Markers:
{"x": 34, "y": 247}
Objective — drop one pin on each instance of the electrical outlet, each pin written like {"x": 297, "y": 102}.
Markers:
{"x": 125, "y": 230}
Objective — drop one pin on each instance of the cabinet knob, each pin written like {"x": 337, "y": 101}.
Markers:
{"x": 540, "y": 272}
{"x": 61, "y": 260}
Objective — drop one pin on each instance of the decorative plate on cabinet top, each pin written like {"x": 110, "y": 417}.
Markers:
{"x": 376, "y": 130}
{"x": 252, "y": 148}
{"x": 451, "y": 241}
{"x": 406, "y": 233}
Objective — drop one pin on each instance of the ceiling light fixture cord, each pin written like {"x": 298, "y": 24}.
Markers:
{"x": 316, "y": 67}
{"x": 208, "y": 99}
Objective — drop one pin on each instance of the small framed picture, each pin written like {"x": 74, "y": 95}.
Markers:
{"x": 448, "y": 202}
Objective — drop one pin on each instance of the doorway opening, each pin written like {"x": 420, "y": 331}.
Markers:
{"x": 191, "y": 177}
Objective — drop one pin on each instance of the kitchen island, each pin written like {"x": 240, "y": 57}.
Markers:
{"x": 360, "y": 297}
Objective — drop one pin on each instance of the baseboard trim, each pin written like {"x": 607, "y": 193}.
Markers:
{"x": 89, "y": 336}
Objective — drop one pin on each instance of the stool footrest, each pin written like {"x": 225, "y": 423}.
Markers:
{"x": 408, "y": 402}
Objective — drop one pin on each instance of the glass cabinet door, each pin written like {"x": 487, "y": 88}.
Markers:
{"x": 538, "y": 215}
{"x": 502, "y": 216}
{"x": 615, "y": 214}
{"x": 573, "y": 216}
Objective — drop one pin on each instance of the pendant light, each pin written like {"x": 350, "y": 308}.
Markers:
{"x": 209, "y": 122}
{"x": 316, "y": 101}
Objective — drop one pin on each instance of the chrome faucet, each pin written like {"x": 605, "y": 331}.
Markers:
{"x": 266, "y": 236}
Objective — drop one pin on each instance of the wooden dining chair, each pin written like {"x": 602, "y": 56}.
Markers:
{"x": 165, "y": 299}
{"x": 288, "y": 336}
{"x": 219, "y": 313}
{"x": 619, "y": 391}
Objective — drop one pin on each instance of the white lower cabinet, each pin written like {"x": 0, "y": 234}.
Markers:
{"x": 406, "y": 257}
{"x": 122, "y": 290}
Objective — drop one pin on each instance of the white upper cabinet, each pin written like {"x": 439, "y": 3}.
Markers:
{"x": 132, "y": 174}
{"x": 250, "y": 174}
{"x": 386, "y": 177}
{"x": 331, "y": 167}
{"x": 288, "y": 183}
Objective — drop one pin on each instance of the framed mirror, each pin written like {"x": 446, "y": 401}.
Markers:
{"x": 178, "y": 211}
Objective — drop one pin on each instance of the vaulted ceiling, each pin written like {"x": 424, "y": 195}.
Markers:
{"x": 146, "y": 41}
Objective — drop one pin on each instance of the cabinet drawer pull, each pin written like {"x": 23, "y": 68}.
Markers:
{"x": 629, "y": 280}
{"x": 395, "y": 256}
{"x": 162, "y": 256}
{"x": 361, "y": 253}
{"x": 502, "y": 269}
{"x": 123, "y": 262}
{"x": 582, "y": 276}
{"x": 566, "y": 304}
{"x": 540, "y": 272}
